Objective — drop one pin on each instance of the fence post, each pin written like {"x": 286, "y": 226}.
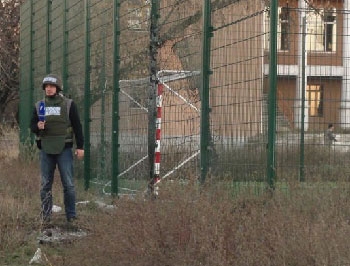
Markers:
{"x": 116, "y": 89}
{"x": 303, "y": 85}
{"x": 87, "y": 158}
{"x": 65, "y": 49}
{"x": 153, "y": 86}
{"x": 103, "y": 89}
{"x": 26, "y": 103}
{"x": 205, "y": 108}
{"x": 48, "y": 36}
{"x": 271, "y": 163}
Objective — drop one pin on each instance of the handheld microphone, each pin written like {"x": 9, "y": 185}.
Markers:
{"x": 42, "y": 111}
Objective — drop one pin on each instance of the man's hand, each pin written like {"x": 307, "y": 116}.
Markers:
{"x": 41, "y": 125}
{"x": 79, "y": 153}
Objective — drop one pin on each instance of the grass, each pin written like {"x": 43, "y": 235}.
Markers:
{"x": 214, "y": 225}
{"x": 8, "y": 143}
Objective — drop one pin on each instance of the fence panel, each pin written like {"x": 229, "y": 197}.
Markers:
{"x": 312, "y": 90}
{"x": 179, "y": 62}
{"x": 76, "y": 39}
{"x": 133, "y": 96}
{"x": 238, "y": 115}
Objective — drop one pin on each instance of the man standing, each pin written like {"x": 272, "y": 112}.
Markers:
{"x": 330, "y": 137}
{"x": 55, "y": 131}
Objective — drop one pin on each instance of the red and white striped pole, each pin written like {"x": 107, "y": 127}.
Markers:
{"x": 159, "y": 101}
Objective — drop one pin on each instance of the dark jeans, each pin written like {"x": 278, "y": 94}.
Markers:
{"x": 48, "y": 162}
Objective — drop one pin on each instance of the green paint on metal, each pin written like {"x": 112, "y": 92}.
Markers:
{"x": 31, "y": 65}
{"x": 27, "y": 80}
{"x": 205, "y": 77}
{"x": 48, "y": 36}
{"x": 87, "y": 97}
{"x": 115, "y": 107}
{"x": 271, "y": 149}
{"x": 103, "y": 88}
{"x": 303, "y": 85}
{"x": 65, "y": 49}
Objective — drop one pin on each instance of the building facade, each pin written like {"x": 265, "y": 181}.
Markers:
{"x": 313, "y": 63}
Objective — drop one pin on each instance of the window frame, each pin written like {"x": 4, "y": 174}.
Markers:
{"x": 318, "y": 28}
{"x": 316, "y": 102}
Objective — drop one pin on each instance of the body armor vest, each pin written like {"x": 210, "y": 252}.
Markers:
{"x": 58, "y": 130}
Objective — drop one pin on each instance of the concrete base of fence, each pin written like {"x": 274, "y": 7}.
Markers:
{"x": 317, "y": 140}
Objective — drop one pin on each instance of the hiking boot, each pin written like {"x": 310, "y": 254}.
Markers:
{"x": 71, "y": 219}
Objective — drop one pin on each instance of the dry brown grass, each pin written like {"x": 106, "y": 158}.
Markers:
{"x": 8, "y": 143}
{"x": 185, "y": 226}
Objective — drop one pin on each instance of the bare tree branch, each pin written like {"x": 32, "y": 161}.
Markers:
{"x": 9, "y": 53}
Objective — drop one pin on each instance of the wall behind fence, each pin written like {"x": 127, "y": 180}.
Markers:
{"x": 239, "y": 109}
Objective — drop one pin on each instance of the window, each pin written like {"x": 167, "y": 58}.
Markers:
{"x": 282, "y": 29}
{"x": 321, "y": 30}
{"x": 329, "y": 31}
{"x": 314, "y": 95}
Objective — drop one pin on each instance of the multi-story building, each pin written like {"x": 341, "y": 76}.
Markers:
{"x": 313, "y": 62}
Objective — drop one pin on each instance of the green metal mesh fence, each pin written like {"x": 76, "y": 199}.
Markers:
{"x": 257, "y": 127}
{"x": 239, "y": 110}
{"x": 180, "y": 62}
{"x": 312, "y": 54}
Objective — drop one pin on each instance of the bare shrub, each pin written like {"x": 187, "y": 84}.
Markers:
{"x": 8, "y": 143}
{"x": 18, "y": 203}
{"x": 189, "y": 225}
{"x": 214, "y": 224}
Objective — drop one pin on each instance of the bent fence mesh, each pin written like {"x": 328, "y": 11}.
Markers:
{"x": 76, "y": 39}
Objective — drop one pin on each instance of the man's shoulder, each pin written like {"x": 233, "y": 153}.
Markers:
{"x": 68, "y": 100}
{"x": 68, "y": 103}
